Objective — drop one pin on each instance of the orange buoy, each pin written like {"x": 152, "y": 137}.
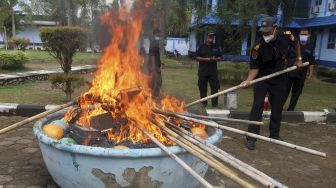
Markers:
{"x": 199, "y": 132}
{"x": 53, "y": 131}
{"x": 120, "y": 147}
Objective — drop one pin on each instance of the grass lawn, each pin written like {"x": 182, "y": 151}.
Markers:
{"x": 43, "y": 60}
{"x": 178, "y": 80}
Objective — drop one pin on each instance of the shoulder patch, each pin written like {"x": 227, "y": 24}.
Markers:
{"x": 288, "y": 33}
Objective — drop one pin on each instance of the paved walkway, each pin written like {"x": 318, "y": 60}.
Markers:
{"x": 21, "y": 163}
{"x": 41, "y": 72}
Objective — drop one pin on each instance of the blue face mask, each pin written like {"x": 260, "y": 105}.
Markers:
{"x": 157, "y": 38}
{"x": 304, "y": 38}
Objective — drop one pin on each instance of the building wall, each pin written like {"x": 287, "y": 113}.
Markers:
{"x": 32, "y": 32}
{"x": 327, "y": 54}
{"x": 323, "y": 54}
{"x": 193, "y": 42}
{"x": 179, "y": 44}
{"x": 319, "y": 42}
{"x": 323, "y": 9}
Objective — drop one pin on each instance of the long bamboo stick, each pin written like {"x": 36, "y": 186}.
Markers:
{"x": 204, "y": 156}
{"x": 36, "y": 117}
{"x": 177, "y": 159}
{"x": 214, "y": 124}
{"x": 241, "y": 86}
{"x": 248, "y": 170}
{"x": 223, "y": 119}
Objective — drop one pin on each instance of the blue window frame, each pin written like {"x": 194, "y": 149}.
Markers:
{"x": 318, "y": 2}
{"x": 331, "y": 39}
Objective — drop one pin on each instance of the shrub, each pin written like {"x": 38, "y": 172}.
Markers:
{"x": 232, "y": 73}
{"x": 66, "y": 82}
{"x": 326, "y": 72}
{"x": 13, "y": 60}
{"x": 62, "y": 43}
{"x": 19, "y": 43}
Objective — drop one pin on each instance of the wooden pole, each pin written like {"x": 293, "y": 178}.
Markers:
{"x": 177, "y": 159}
{"x": 204, "y": 156}
{"x": 214, "y": 124}
{"x": 241, "y": 86}
{"x": 248, "y": 170}
{"x": 223, "y": 119}
{"x": 36, "y": 117}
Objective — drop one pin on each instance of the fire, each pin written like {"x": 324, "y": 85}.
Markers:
{"x": 119, "y": 86}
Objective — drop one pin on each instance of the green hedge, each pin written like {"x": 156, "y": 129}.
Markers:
{"x": 11, "y": 60}
{"x": 19, "y": 43}
{"x": 232, "y": 73}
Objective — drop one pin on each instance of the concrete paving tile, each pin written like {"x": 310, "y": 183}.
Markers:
{"x": 6, "y": 143}
{"x": 5, "y": 178}
{"x": 30, "y": 150}
{"x": 13, "y": 138}
{"x": 24, "y": 141}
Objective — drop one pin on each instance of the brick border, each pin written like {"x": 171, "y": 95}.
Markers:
{"x": 9, "y": 109}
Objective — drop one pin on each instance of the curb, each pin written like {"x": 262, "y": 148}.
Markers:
{"x": 23, "y": 110}
{"x": 287, "y": 116}
{"x": 15, "y": 78}
{"x": 10, "y": 109}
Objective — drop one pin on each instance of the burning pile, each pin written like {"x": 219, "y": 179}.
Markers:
{"x": 120, "y": 97}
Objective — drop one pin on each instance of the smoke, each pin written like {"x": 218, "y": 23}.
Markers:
{"x": 128, "y": 4}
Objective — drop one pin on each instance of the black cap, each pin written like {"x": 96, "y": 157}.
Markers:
{"x": 156, "y": 31}
{"x": 268, "y": 23}
{"x": 210, "y": 33}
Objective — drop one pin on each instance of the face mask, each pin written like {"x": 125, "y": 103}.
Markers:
{"x": 304, "y": 38}
{"x": 269, "y": 38}
{"x": 157, "y": 38}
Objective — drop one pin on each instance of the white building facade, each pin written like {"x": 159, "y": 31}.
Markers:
{"x": 319, "y": 16}
{"x": 32, "y": 32}
{"x": 322, "y": 20}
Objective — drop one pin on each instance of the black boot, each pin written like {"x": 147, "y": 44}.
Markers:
{"x": 276, "y": 138}
{"x": 250, "y": 144}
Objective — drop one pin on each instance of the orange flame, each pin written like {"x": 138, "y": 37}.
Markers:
{"x": 119, "y": 70}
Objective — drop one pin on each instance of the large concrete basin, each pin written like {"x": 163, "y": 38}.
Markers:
{"x": 85, "y": 166}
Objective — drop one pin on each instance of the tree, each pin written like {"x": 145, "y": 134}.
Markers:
{"x": 83, "y": 13}
{"x": 8, "y": 18}
{"x": 247, "y": 14}
{"x": 62, "y": 43}
{"x": 179, "y": 17}
{"x": 4, "y": 12}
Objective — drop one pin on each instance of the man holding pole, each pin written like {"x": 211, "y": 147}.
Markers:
{"x": 208, "y": 55}
{"x": 268, "y": 56}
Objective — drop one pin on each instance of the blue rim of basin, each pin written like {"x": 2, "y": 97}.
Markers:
{"x": 106, "y": 152}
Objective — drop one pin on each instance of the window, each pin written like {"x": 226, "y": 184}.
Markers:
{"x": 332, "y": 38}
{"x": 318, "y": 2}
